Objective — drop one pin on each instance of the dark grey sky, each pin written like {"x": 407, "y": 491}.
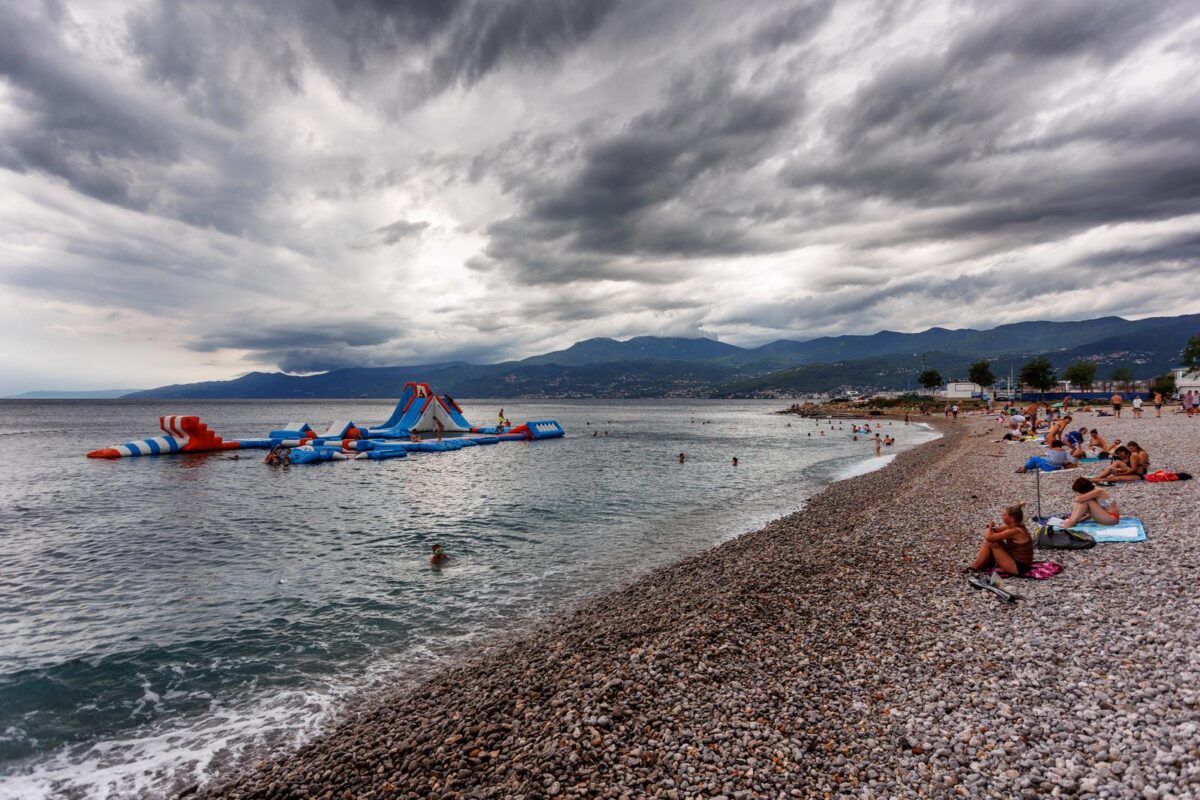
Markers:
{"x": 193, "y": 189}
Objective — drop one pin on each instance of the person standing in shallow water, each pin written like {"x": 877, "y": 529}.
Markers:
{"x": 681, "y": 458}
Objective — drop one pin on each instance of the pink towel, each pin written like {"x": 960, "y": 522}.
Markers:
{"x": 1040, "y": 571}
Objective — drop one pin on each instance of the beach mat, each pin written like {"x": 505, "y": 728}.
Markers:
{"x": 1040, "y": 571}
{"x": 1129, "y": 529}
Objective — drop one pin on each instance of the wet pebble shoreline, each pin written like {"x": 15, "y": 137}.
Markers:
{"x": 835, "y": 652}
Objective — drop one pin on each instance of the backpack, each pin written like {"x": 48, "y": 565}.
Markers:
{"x": 1046, "y": 537}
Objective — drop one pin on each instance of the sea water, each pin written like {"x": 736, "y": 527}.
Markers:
{"x": 164, "y": 620}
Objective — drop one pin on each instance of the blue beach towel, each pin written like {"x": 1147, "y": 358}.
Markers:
{"x": 1129, "y": 529}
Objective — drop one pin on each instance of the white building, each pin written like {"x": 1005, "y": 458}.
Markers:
{"x": 1185, "y": 380}
{"x": 961, "y": 390}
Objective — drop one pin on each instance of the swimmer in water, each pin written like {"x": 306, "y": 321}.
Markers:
{"x": 681, "y": 458}
{"x": 439, "y": 555}
{"x": 735, "y": 461}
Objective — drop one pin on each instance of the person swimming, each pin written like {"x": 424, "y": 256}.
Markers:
{"x": 439, "y": 555}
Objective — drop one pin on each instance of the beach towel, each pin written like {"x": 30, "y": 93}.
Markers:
{"x": 1129, "y": 529}
{"x": 1040, "y": 571}
{"x": 1163, "y": 476}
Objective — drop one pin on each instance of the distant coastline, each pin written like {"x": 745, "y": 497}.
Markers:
{"x": 699, "y": 368}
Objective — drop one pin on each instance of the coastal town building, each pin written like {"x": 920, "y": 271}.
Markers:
{"x": 962, "y": 390}
{"x": 1185, "y": 381}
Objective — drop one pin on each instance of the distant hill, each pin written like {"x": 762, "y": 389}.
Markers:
{"x": 648, "y": 366}
{"x": 639, "y": 348}
{"x": 101, "y": 394}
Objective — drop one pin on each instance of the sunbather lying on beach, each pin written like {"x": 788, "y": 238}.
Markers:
{"x": 1006, "y": 545}
{"x": 1056, "y": 458}
{"x": 1092, "y": 503}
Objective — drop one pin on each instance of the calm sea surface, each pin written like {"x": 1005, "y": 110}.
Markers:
{"x": 162, "y": 618}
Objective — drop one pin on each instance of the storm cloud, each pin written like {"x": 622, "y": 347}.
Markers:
{"x": 218, "y": 186}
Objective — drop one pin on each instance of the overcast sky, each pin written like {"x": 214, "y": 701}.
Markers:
{"x": 190, "y": 190}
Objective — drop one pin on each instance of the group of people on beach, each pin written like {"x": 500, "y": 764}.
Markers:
{"x": 1008, "y": 544}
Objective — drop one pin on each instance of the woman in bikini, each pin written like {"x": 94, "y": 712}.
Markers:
{"x": 1137, "y": 464}
{"x": 1007, "y": 545}
{"x": 1092, "y": 503}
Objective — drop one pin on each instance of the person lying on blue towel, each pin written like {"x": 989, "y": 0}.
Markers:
{"x": 1056, "y": 458}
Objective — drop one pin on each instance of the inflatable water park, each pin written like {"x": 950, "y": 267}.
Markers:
{"x": 419, "y": 411}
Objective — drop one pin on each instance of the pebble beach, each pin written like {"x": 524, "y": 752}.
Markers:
{"x": 836, "y": 652}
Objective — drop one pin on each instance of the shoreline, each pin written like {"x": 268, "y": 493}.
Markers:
{"x": 801, "y": 658}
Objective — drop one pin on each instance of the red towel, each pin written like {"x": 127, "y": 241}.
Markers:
{"x": 1040, "y": 571}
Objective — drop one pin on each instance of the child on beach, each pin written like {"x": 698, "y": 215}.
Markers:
{"x": 1006, "y": 545}
{"x": 1092, "y": 503}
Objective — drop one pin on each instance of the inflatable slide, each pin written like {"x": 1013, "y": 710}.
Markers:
{"x": 418, "y": 411}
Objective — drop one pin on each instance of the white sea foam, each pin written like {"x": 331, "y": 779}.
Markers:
{"x": 863, "y": 467}
{"x": 155, "y": 759}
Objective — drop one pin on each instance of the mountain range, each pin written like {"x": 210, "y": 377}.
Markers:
{"x": 651, "y": 366}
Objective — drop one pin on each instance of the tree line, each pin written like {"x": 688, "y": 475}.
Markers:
{"x": 1039, "y": 374}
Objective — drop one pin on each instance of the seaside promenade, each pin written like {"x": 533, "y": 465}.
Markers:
{"x": 835, "y": 652}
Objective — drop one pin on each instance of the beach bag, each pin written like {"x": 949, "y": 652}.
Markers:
{"x": 1162, "y": 476}
{"x": 1048, "y": 538}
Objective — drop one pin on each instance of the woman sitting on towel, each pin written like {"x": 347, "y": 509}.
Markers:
{"x": 1007, "y": 545}
{"x": 1092, "y": 503}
